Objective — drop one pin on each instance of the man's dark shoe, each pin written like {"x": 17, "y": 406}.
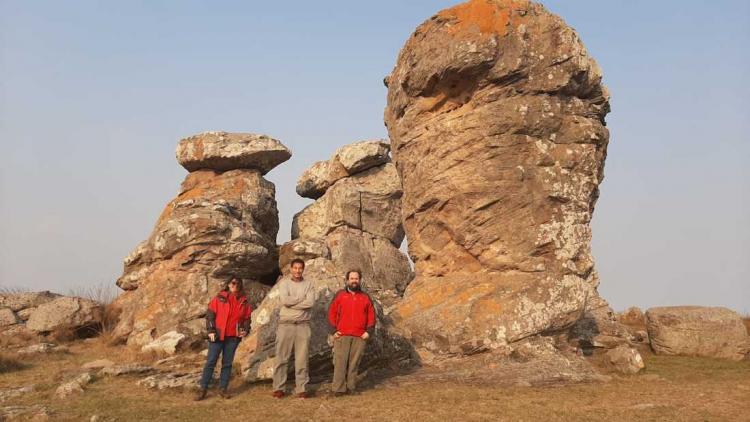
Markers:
{"x": 224, "y": 394}
{"x": 303, "y": 396}
{"x": 337, "y": 394}
{"x": 278, "y": 394}
{"x": 200, "y": 395}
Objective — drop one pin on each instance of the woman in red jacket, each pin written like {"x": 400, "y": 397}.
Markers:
{"x": 227, "y": 321}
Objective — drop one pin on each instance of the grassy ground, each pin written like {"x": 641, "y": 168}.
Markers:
{"x": 672, "y": 388}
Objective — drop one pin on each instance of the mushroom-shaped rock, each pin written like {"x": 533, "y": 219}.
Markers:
{"x": 223, "y": 151}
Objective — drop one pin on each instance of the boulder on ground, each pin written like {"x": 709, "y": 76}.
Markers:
{"x": 625, "y": 359}
{"x": 697, "y": 331}
{"x": 65, "y": 312}
{"x": 223, "y": 151}
{"x": 7, "y": 317}
{"x": 19, "y": 301}
{"x": 74, "y": 386}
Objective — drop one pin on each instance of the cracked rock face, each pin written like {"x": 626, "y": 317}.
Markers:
{"x": 496, "y": 118}
{"x": 355, "y": 224}
{"x": 221, "y": 224}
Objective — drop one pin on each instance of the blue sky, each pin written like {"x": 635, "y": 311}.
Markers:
{"x": 95, "y": 95}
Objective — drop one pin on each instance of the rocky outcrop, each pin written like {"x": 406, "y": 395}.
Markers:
{"x": 496, "y": 118}
{"x": 221, "y": 224}
{"x": 222, "y": 151}
{"x": 348, "y": 160}
{"x": 32, "y": 313}
{"x": 65, "y": 312}
{"x": 356, "y": 224}
{"x": 697, "y": 331}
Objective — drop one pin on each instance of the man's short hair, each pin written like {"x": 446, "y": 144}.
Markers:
{"x": 297, "y": 261}
{"x": 353, "y": 271}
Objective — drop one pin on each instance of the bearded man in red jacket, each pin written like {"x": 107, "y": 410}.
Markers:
{"x": 352, "y": 316}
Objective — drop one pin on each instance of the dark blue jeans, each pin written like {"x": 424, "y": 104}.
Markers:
{"x": 226, "y": 348}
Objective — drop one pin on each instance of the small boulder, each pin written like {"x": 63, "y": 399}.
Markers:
{"x": 625, "y": 359}
{"x": 170, "y": 380}
{"x": 65, "y": 312}
{"x": 166, "y": 343}
{"x": 74, "y": 386}
{"x": 361, "y": 156}
{"x": 632, "y": 316}
{"x": 697, "y": 331}
{"x": 15, "y": 392}
{"x": 7, "y": 317}
{"x": 223, "y": 151}
{"x": 126, "y": 369}
{"x": 98, "y": 364}
{"x": 347, "y": 161}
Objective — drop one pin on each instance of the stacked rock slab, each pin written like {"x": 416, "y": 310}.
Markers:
{"x": 222, "y": 223}
{"x": 355, "y": 223}
{"x": 496, "y": 118}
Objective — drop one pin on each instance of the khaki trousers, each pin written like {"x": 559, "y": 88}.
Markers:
{"x": 347, "y": 352}
{"x": 288, "y": 337}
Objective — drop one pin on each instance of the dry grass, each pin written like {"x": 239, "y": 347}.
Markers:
{"x": 746, "y": 320}
{"x": 672, "y": 388}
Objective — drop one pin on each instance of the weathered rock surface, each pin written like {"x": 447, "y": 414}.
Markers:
{"x": 347, "y": 160}
{"x": 98, "y": 364}
{"x": 496, "y": 119}
{"x": 74, "y": 386}
{"x": 219, "y": 225}
{"x": 20, "y": 301}
{"x": 167, "y": 343}
{"x": 125, "y": 369}
{"x": 369, "y": 201}
{"x": 632, "y": 316}
{"x": 65, "y": 312}
{"x": 356, "y": 224}
{"x": 41, "y": 348}
{"x": 169, "y": 380}
{"x": 36, "y": 412}
{"x": 7, "y": 317}
{"x": 224, "y": 151}
{"x": 697, "y": 331}
{"x": 625, "y": 359}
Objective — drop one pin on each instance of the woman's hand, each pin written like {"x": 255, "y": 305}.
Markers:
{"x": 212, "y": 337}
{"x": 365, "y": 336}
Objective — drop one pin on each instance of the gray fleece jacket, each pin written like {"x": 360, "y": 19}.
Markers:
{"x": 297, "y": 300}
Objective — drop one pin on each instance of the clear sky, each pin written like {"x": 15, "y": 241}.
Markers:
{"x": 95, "y": 95}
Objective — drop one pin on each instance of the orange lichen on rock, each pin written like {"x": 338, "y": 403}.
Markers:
{"x": 486, "y": 16}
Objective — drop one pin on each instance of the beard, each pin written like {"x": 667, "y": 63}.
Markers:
{"x": 353, "y": 287}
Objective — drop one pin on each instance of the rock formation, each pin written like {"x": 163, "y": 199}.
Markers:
{"x": 222, "y": 223}
{"x": 45, "y": 312}
{"x": 697, "y": 331}
{"x": 355, "y": 223}
{"x": 496, "y": 118}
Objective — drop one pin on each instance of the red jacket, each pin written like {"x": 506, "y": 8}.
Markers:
{"x": 352, "y": 314}
{"x": 227, "y": 314}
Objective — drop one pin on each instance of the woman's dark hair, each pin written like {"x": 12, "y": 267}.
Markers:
{"x": 240, "y": 285}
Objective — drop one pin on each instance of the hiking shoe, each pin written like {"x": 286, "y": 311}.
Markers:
{"x": 337, "y": 394}
{"x": 303, "y": 396}
{"x": 278, "y": 394}
{"x": 200, "y": 395}
{"x": 223, "y": 393}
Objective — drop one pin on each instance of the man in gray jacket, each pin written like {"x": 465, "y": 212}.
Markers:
{"x": 297, "y": 299}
